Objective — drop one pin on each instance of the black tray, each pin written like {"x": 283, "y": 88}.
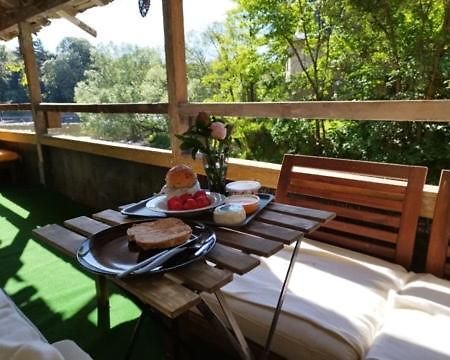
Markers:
{"x": 139, "y": 210}
{"x": 108, "y": 252}
{"x": 264, "y": 200}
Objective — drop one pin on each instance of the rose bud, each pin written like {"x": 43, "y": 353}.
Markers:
{"x": 202, "y": 118}
{"x": 218, "y": 130}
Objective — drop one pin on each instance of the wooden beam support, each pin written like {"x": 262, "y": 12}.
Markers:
{"x": 34, "y": 89}
{"x": 176, "y": 68}
{"x": 77, "y": 22}
{"x": 24, "y": 13}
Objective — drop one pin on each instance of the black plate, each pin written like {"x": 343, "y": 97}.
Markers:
{"x": 109, "y": 253}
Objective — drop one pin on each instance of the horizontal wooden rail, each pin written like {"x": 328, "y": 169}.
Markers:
{"x": 17, "y": 136}
{"x": 15, "y": 107}
{"x": 404, "y": 110}
{"x": 132, "y": 108}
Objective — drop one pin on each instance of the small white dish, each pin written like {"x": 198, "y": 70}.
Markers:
{"x": 243, "y": 187}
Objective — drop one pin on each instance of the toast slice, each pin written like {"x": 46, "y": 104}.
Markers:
{"x": 159, "y": 234}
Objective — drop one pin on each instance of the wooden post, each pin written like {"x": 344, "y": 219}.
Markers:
{"x": 34, "y": 90}
{"x": 176, "y": 69}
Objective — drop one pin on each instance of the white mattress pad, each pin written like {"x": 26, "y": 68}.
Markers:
{"x": 341, "y": 294}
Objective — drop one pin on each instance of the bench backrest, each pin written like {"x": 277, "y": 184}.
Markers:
{"x": 438, "y": 257}
{"x": 377, "y": 205}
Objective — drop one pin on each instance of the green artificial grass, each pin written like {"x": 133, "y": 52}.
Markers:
{"x": 57, "y": 296}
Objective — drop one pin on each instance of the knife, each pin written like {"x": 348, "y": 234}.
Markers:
{"x": 148, "y": 261}
{"x": 160, "y": 260}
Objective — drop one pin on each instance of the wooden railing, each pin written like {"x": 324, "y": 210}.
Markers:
{"x": 266, "y": 173}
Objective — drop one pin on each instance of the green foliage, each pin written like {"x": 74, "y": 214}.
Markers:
{"x": 61, "y": 73}
{"x": 125, "y": 75}
{"x": 12, "y": 77}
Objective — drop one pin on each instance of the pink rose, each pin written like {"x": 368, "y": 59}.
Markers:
{"x": 218, "y": 130}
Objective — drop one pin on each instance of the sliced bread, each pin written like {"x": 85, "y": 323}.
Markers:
{"x": 159, "y": 234}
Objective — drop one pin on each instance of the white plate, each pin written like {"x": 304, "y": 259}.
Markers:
{"x": 159, "y": 203}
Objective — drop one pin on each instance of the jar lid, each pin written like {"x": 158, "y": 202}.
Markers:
{"x": 242, "y": 186}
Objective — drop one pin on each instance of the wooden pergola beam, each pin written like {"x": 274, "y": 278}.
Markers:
{"x": 77, "y": 22}
{"x": 32, "y": 74}
{"x": 24, "y": 13}
{"x": 175, "y": 67}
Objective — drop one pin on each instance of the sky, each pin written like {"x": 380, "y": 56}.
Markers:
{"x": 120, "y": 22}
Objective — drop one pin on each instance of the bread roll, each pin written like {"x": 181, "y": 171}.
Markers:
{"x": 180, "y": 176}
{"x": 159, "y": 234}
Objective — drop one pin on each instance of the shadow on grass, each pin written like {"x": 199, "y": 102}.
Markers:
{"x": 22, "y": 209}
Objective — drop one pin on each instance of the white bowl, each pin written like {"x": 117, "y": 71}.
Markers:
{"x": 243, "y": 187}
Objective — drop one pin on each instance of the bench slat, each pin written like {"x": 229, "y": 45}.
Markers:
{"x": 232, "y": 259}
{"x": 112, "y": 217}
{"x": 161, "y": 293}
{"x": 248, "y": 243}
{"x": 394, "y": 190}
{"x": 201, "y": 276}
{"x": 357, "y": 199}
{"x": 85, "y": 225}
{"x": 355, "y": 244}
{"x": 313, "y": 214}
{"x": 290, "y": 221}
{"x": 372, "y": 233}
{"x": 354, "y": 213}
{"x": 272, "y": 232}
{"x": 60, "y": 238}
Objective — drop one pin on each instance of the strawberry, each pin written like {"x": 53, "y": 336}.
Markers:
{"x": 199, "y": 193}
{"x": 190, "y": 204}
{"x": 185, "y": 197}
{"x": 174, "y": 204}
{"x": 202, "y": 201}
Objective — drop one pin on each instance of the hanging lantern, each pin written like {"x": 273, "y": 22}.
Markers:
{"x": 144, "y": 5}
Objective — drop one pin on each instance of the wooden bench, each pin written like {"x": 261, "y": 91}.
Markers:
{"x": 438, "y": 257}
{"x": 9, "y": 160}
{"x": 416, "y": 327}
{"x": 377, "y": 205}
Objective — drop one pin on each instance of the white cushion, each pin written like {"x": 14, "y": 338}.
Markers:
{"x": 21, "y": 340}
{"x": 70, "y": 350}
{"x": 336, "y": 292}
{"x": 417, "y": 326}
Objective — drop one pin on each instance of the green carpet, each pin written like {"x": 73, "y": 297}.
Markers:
{"x": 56, "y": 295}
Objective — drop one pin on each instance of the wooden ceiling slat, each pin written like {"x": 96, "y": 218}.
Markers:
{"x": 38, "y": 13}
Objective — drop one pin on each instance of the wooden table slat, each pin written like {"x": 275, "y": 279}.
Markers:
{"x": 273, "y": 232}
{"x": 291, "y": 221}
{"x": 161, "y": 293}
{"x": 85, "y": 225}
{"x": 312, "y": 214}
{"x": 201, "y": 276}
{"x": 248, "y": 243}
{"x": 60, "y": 238}
{"x": 232, "y": 259}
{"x": 112, "y": 217}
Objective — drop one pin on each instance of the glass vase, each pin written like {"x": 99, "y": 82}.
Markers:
{"x": 215, "y": 166}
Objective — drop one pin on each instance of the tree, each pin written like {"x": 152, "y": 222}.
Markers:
{"x": 244, "y": 70}
{"x": 61, "y": 74}
{"x": 127, "y": 74}
{"x": 12, "y": 77}
{"x": 199, "y": 52}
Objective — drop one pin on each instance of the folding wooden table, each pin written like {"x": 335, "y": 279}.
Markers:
{"x": 175, "y": 292}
